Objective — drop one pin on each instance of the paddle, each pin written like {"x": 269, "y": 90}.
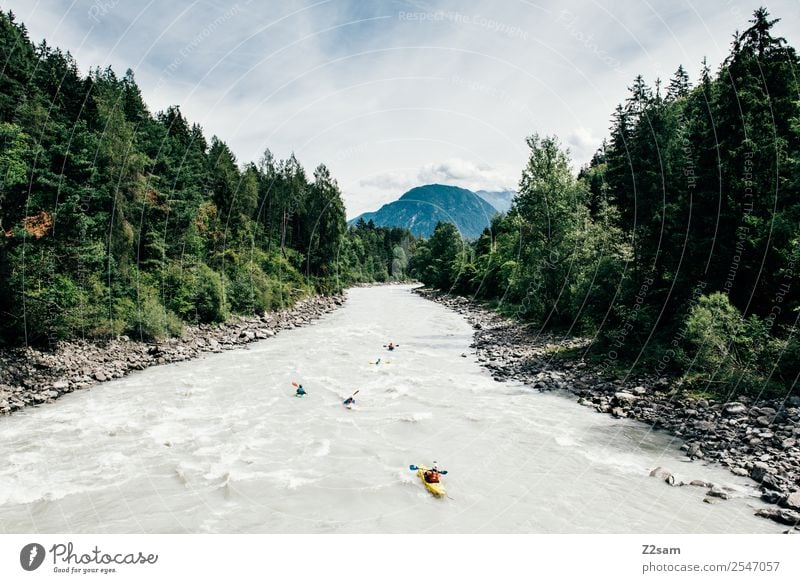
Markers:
{"x": 414, "y": 468}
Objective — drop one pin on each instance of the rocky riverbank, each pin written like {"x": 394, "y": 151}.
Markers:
{"x": 30, "y": 376}
{"x": 756, "y": 439}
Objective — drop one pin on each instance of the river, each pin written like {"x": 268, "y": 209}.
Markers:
{"x": 220, "y": 444}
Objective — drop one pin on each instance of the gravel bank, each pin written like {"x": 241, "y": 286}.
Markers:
{"x": 29, "y": 376}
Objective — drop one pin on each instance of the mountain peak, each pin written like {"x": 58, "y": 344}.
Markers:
{"x": 422, "y": 207}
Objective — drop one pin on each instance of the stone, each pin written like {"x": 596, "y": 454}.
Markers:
{"x": 792, "y": 501}
{"x": 758, "y": 471}
{"x": 100, "y": 376}
{"x": 718, "y": 492}
{"x": 663, "y": 474}
{"x": 625, "y": 398}
{"x": 772, "y": 482}
{"x": 782, "y": 515}
{"x": 735, "y": 408}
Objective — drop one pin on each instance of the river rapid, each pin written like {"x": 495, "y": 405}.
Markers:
{"x": 220, "y": 444}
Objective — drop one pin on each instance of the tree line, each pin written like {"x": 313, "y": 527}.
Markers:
{"x": 115, "y": 220}
{"x": 677, "y": 248}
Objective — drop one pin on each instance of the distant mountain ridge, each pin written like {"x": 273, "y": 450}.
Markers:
{"x": 421, "y": 208}
{"x": 499, "y": 199}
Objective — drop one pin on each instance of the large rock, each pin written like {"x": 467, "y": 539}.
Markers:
{"x": 663, "y": 474}
{"x": 792, "y": 501}
{"x": 625, "y": 398}
{"x": 758, "y": 471}
{"x": 718, "y": 492}
{"x": 735, "y": 408}
{"x": 782, "y": 515}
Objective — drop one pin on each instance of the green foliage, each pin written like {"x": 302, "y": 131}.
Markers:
{"x": 439, "y": 261}
{"x": 369, "y": 253}
{"x": 722, "y": 347}
{"x": 119, "y": 221}
{"x": 685, "y": 219}
{"x": 147, "y": 319}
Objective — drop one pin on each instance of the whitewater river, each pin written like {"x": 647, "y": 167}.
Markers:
{"x": 220, "y": 444}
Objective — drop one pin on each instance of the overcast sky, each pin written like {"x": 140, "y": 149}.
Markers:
{"x": 392, "y": 94}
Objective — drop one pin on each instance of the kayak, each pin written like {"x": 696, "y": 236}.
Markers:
{"x": 349, "y": 406}
{"x": 435, "y": 489}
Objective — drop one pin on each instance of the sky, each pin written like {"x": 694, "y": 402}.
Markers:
{"x": 392, "y": 94}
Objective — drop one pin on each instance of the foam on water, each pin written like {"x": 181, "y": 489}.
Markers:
{"x": 220, "y": 444}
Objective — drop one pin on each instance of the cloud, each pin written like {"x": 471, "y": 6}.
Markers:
{"x": 582, "y": 144}
{"x": 460, "y": 172}
{"x": 389, "y": 181}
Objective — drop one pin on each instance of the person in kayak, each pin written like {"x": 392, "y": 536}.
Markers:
{"x": 432, "y": 475}
{"x": 391, "y": 346}
{"x": 349, "y": 401}
{"x": 300, "y": 391}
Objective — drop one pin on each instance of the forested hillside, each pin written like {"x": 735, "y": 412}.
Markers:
{"x": 677, "y": 248}
{"x": 116, "y": 220}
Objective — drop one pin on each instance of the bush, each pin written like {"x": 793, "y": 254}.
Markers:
{"x": 195, "y": 293}
{"x": 148, "y": 319}
{"x": 722, "y": 348}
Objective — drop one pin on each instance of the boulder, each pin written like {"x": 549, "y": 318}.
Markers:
{"x": 625, "y": 398}
{"x": 663, "y": 474}
{"x": 735, "y": 408}
{"x": 782, "y": 515}
{"x": 718, "y": 492}
{"x": 759, "y": 470}
{"x": 792, "y": 501}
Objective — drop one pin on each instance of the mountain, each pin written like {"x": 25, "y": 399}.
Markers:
{"x": 419, "y": 209}
{"x": 499, "y": 199}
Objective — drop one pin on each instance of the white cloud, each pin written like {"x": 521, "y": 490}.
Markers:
{"x": 464, "y": 173}
{"x": 582, "y": 144}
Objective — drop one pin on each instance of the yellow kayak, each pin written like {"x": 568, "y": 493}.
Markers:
{"x": 436, "y": 489}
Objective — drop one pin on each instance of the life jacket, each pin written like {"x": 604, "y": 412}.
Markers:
{"x": 432, "y": 477}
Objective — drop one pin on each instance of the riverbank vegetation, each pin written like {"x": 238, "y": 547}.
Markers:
{"x": 115, "y": 220}
{"x": 676, "y": 249}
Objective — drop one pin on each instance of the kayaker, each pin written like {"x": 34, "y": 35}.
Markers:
{"x": 390, "y": 346}
{"x": 349, "y": 401}
{"x": 432, "y": 475}
{"x": 300, "y": 391}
